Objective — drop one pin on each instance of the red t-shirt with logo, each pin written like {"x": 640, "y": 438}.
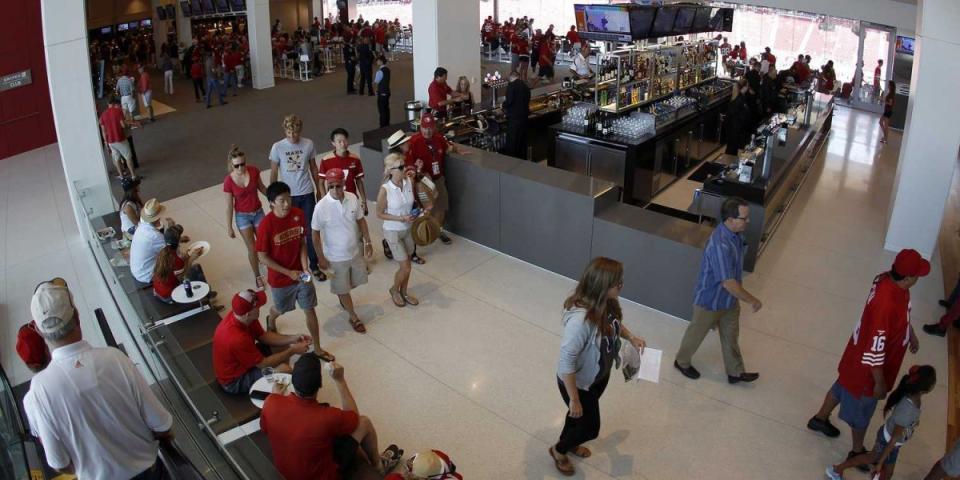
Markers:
{"x": 573, "y": 37}
{"x": 433, "y": 158}
{"x": 301, "y": 433}
{"x": 281, "y": 239}
{"x": 350, "y": 165}
{"x": 880, "y": 338}
{"x": 245, "y": 199}
{"x": 438, "y": 92}
{"x": 234, "y": 351}
{"x": 112, "y": 121}
{"x": 164, "y": 287}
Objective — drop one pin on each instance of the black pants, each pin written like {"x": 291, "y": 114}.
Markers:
{"x": 576, "y": 431}
{"x": 383, "y": 106}
{"x": 366, "y": 78}
{"x": 155, "y": 472}
{"x": 516, "y": 139}
{"x": 133, "y": 152}
{"x": 199, "y": 91}
{"x": 351, "y": 68}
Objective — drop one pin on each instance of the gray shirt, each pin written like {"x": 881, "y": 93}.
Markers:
{"x": 293, "y": 163}
{"x": 580, "y": 348}
{"x": 905, "y": 414}
{"x": 125, "y": 86}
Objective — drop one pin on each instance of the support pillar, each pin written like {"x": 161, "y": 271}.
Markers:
{"x": 261, "y": 53}
{"x": 160, "y": 27}
{"x": 446, "y": 36}
{"x": 931, "y": 140}
{"x": 184, "y": 29}
{"x": 316, "y": 10}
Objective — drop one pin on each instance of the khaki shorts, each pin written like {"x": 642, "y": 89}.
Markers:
{"x": 442, "y": 203}
{"x": 129, "y": 103}
{"x": 348, "y": 275}
{"x": 401, "y": 243}
{"x": 120, "y": 150}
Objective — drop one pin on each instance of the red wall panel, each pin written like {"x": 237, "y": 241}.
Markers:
{"x": 26, "y": 119}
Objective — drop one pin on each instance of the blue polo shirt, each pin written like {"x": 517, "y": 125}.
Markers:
{"x": 722, "y": 260}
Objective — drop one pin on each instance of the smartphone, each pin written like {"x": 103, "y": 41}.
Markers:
{"x": 259, "y": 395}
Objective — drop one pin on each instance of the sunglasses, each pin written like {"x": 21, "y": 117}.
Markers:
{"x": 239, "y": 165}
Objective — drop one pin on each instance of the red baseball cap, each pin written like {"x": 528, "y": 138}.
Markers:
{"x": 427, "y": 120}
{"x": 30, "y": 346}
{"x": 910, "y": 263}
{"x": 247, "y": 300}
{"x": 335, "y": 175}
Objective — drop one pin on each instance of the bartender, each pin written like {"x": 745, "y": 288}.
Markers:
{"x": 440, "y": 93}
{"x": 738, "y": 118}
{"x": 427, "y": 152}
{"x": 580, "y": 66}
{"x": 517, "y": 108}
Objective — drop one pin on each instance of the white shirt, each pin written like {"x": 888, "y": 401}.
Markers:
{"x": 337, "y": 223}
{"x": 146, "y": 244}
{"x": 399, "y": 203}
{"x": 91, "y": 407}
{"x": 125, "y": 223}
{"x": 580, "y": 65}
{"x": 764, "y": 66}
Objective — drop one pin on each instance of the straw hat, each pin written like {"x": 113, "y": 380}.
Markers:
{"x": 425, "y": 230}
{"x": 398, "y": 138}
{"x": 151, "y": 211}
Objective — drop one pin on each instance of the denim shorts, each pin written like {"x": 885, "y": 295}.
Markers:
{"x": 285, "y": 299}
{"x": 855, "y": 411}
{"x": 882, "y": 444}
{"x": 248, "y": 220}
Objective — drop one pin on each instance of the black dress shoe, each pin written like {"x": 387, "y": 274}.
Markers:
{"x": 743, "y": 377}
{"x": 934, "y": 329}
{"x": 823, "y": 426}
{"x": 688, "y": 372}
{"x": 944, "y": 303}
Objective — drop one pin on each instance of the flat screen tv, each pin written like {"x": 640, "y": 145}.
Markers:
{"x": 106, "y": 30}
{"x": 146, "y": 23}
{"x": 701, "y": 21}
{"x": 196, "y": 8}
{"x": 238, "y": 5}
{"x": 208, "y": 7}
{"x": 122, "y": 27}
{"x": 171, "y": 12}
{"x": 684, "y": 20}
{"x": 603, "y": 22}
{"x": 641, "y": 21}
{"x": 722, "y": 20}
{"x": 223, "y": 6}
{"x": 663, "y": 22}
{"x": 134, "y": 25}
{"x": 905, "y": 45}
{"x": 186, "y": 9}
{"x": 161, "y": 13}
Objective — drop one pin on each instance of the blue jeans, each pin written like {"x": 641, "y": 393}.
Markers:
{"x": 214, "y": 84}
{"x": 307, "y": 203}
{"x": 232, "y": 80}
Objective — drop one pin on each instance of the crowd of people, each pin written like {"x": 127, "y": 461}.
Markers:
{"x": 530, "y": 48}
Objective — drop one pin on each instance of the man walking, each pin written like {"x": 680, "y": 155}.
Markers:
{"x": 337, "y": 225}
{"x": 382, "y": 79}
{"x": 113, "y": 127}
{"x": 871, "y": 361}
{"x": 716, "y": 301}
{"x": 146, "y": 91}
{"x": 92, "y": 410}
{"x": 215, "y": 83}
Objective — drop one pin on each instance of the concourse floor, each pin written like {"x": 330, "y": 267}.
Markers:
{"x": 471, "y": 370}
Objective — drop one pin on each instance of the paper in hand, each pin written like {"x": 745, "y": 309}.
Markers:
{"x": 649, "y": 365}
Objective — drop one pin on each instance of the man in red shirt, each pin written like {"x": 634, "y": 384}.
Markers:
{"x": 344, "y": 160}
{"x": 146, "y": 91}
{"x": 871, "y": 361}
{"x": 231, "y": 60}
{"x": 314, "y": 441}
{"x": 241, "y": 348}
{"x": 440, "y": 93}
{"x": 426, "y": 152}
{"x": 573, "y": 37}
{"x": 281, "y": 247}
{"x": 801, "y": 72}
{"x": 113, "y": 129}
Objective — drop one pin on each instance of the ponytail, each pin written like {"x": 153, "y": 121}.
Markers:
{"x": 919, "y": 379}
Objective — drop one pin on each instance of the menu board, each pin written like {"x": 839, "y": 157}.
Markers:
{"x": 663, "y": 23}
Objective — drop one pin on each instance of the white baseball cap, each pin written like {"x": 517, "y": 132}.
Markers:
{"x": 52, "y": 306}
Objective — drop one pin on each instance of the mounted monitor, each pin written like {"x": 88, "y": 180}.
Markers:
{"x": 186, "y": 9}
{"x": 905, "y": 45}
{"x": 603, "y": 22}
{"x": 208, "y": 7}
{"x": 146, "y": 23}
{"x": 106, "y": 30}
{"x": 161, "y": 13}
{"x": 641, "y": 21}
{"x": 196, "y": 7}
{"x": 722, "y": 20}
{"x": 171, "y": 12}
{"x": 223, "y": 6}
{"x": 663, "y": 22}
{"x": 701, "y": 21}
{"x": 122, "y": 27}
{"x": 684, "y": 20}
{"x": 238, "y": 5}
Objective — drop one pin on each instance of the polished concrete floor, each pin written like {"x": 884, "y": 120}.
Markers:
{"x": 471, "y": 370}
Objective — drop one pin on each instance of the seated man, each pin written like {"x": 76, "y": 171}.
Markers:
{"x": 241, "y": 346}
{"x": 315, "y": 441}
{"x": 148, "y": 241}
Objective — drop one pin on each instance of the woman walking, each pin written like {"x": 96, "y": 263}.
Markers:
{"x": 592, "y": 330}
{"x": 904, "y": 403}
{"x": 240, "y": 187}
{"x": 888, "y": 102}
{"x": 394, "y": 206}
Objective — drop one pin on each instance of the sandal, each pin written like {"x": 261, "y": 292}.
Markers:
{"x": 409, "y": 299}
{"x": 386, "y": 250}
{"x": 397, "y": 298}
{"x": 581, "y": 451}
{"x": 358, "y": 325}
{"x": 416, "y": 259}
{"x": 562, "y": 463}
{"x": 390, "y": 457}
{"x": 324, "y": 355}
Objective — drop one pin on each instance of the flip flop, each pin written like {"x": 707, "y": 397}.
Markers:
{"x": 416, "y": 259}
{"x": 397, "y": 298}
{"x": 325, "y": 355}
{"x": 357, "y": 325}
{"x": 563, "y": 463}
{"x": 390, "y": 457}
{"x": 581, "y": 451}
{"x": 410, "y": 299}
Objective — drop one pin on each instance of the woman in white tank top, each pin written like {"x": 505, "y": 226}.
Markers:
{"x": 130, "y": 206}
{"x": 395, "y": 201}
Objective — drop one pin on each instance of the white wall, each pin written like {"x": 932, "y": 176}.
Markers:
{"x": 895, "y": 13}
{"x": 446, "y": 34}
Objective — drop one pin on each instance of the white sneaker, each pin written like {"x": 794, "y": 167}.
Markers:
{"x": 831, "y": 474}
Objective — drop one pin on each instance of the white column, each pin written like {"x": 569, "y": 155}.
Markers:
{"x": 261, "y": 53}
{"x": 352, "y": 10}
{"x": 446, "y": 35}
{"x": 316, "y": 10}
{"x": 160, "y": 27}
{"x": 74, "y": 112}
{"x": 184, "y": 28}
{"x": 928, "y": 154}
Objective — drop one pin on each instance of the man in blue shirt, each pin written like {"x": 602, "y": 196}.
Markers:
{"x": 716, "y": 301}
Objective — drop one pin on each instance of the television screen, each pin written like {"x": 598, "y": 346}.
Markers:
{"x": 223, "y": 6}
{"x": 185, "y": 8}
{"x": 641, "y": 20}
{"x": 146, "y": 23}
{"x": 208, "y": 6}
{"x": 238, "y": 5}
{"x": 171, "y": 12}
{"x": 122, "y": 27}
{"x": 722, "y": 20}
{"x": 701, "y": 21}
{"x": 106, "y": 30}
{"x": 663, "y": 22}
{"x": 161, "y": 13}
{"x": 684, "y": 20}
{"x": 607, "y": 19}
{"x": 196, "y": 8}
{"x": 134, "y": 25}
{"x": 905, "y": 45}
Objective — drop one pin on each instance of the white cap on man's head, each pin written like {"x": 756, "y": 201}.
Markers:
{"x": 52, "y": 306}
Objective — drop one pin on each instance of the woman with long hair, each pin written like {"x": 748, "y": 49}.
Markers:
{"x": 240, "y": 187}
{"x": 902, "y": 412}
{"x": 592, "y": 330}
{"x": 465, "y": 105}
{"x": 172, "y": 267}
{"x": 888, "y": 102}
{"x": 395, "y": 202}
{"x": 130, "y": 206}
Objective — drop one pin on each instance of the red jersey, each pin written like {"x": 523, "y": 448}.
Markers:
{"x": 281, "y": 239}
{"x": 112, "y": 122}
{"x": 521, "y": 46}
{"x": 381, "y": 36}
{"x": 301, "y": 433}
{"x": 230, "y": 61}
{"x": 196, "y": 70}
{"x": 245, "y": 199}
{"x": 430, "y": 151}
{"x": 438, "y": 92}
{"x": 879, "y": 340}
{"x": 234, "y": 351}
{"x": 351, "y": 166}
{"x": 164, "y": 287}
{"x": 573, "y": 37}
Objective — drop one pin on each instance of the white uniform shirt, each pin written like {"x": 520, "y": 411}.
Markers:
{"x": 146, "y": 244}
{"x": 91, "y": 407}
{"x": 580, "y": 65}
{"x": 337, "y": 223}
{"x": 399, "y": 203}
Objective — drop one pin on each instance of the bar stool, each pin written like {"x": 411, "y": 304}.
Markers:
{"x": 304, "y": 70}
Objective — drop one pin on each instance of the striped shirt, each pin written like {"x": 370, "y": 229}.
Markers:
{"x": 722, "y": 260}
{"x": 125, "y": 86}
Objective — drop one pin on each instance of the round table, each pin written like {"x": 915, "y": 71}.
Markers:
{"x": 200, "y": 291}
{"x": 262, "y": 385}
